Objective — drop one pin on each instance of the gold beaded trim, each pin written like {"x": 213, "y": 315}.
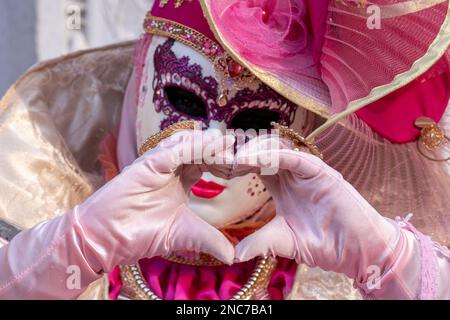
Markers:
{"x": 298, "y": 141}
{"x": 136, "y": 287}
{"x": 154, "y": 140}
{"x": 188, "y": 36}
{"x": 204, "y": 260}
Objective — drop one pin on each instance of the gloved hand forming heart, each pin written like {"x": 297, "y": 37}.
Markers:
{"x": 142, "y": 213}
{"x": 149, "y": 203}
{"x": 322, "y": 221}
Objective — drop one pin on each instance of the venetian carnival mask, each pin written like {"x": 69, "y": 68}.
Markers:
{"x": 179, "y": 84}
{"x": 305, "y": 51}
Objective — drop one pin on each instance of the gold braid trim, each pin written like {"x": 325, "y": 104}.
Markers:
{"x": 185, "y": 35}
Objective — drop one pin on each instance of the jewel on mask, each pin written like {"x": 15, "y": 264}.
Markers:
{"x": 234, "y": 69}
{"x": 265, "y": 16}
{"x": 176, "y": 79}
{"x": 232, "y": 77}
{"x": 222, "y": 101}
{"x": 186, "y": 82}
{"x": 196, "y": 89}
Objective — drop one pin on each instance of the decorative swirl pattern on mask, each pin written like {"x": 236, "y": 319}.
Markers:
{"x": 171, "y": 71}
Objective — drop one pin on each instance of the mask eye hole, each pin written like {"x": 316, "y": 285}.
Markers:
{"x": 186, "y": 102}
{"x": 257, "y": 119}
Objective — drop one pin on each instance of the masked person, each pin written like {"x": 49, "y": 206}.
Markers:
{"x": 371, "y": 101}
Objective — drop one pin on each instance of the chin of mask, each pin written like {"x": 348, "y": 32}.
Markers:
{"x": 180, "y": 84}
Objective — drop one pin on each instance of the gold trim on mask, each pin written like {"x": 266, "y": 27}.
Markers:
{"x": 187, "y": 36}
{"x": 153, "y": 141}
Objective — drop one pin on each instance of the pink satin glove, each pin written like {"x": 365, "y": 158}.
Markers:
{"x": 322, "y": 221}
{"x": 142, "y": 213}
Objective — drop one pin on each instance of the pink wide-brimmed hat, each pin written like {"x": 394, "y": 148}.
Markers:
{"x": 377, "y": 71}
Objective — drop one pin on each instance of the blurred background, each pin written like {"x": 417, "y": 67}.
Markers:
{"x": 36, "y": 30}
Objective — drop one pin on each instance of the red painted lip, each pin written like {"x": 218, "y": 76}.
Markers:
{"x": 207, "y": 189}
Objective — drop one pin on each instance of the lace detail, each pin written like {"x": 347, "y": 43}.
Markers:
{"x": 429, "y": 269}
{"x": 171, "y": 71}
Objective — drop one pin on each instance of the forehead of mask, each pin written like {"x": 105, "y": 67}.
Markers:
{"x": 243, "y": 196}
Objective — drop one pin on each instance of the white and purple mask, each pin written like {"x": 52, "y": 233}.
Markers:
{"x": 180, "y": 83}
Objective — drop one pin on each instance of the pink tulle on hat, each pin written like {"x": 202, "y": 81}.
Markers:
{"x": 282, "y": 38}
{"x": 327, "y": 57}
{"x": 275, "y": 34}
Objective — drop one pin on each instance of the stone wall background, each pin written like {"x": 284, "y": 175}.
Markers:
{"x": 18, "y": 21}
{"x": 36, "y": 30}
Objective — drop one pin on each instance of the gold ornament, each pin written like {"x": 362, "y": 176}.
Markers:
{"x": 185, "y": 35}
{"x": 298, "y": 141}
{"x": 232, "y": 77}
{"x": 203, "y": 260}
{"x": 155, "y": 139}
{"x": 432, "y": 137}
{"x": 136, "y": 287}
